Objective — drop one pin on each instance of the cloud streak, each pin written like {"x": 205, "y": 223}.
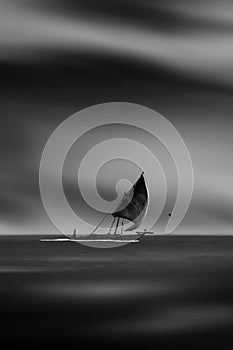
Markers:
{"x": 27, "y": 32}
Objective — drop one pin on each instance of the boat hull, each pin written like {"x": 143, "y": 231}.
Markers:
{"x": 103, "y": 241}
{"x": 97, "y": 243}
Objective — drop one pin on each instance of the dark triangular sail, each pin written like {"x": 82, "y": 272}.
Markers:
{"x": 134, "y": 202}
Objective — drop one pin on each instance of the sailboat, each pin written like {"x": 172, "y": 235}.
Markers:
{"x": 129, "y": 212}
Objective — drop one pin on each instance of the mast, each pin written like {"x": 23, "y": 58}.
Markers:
{"x": 118, "y": 219}
{"x": 132, "y": 206}
{"x": 122, "y": 226}
{"x": 118, "y": 204}
{"x": 111, "y": 226}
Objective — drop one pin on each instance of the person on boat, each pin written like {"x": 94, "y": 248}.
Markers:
{"x": 74, "y": 233}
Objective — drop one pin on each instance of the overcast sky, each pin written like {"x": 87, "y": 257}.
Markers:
{"x": 57, "y": 57}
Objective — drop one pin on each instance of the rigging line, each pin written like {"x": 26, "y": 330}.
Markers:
{"x": 118, "y": 203}
{"x": 102, "y": 220}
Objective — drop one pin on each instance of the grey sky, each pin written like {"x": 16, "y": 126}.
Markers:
{"x": 59, "y": 57}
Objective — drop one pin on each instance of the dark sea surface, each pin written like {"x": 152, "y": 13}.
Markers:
{"x": 168, "y": 291}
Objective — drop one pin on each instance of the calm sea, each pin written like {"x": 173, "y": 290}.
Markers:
{"x": 169, "y": 291}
